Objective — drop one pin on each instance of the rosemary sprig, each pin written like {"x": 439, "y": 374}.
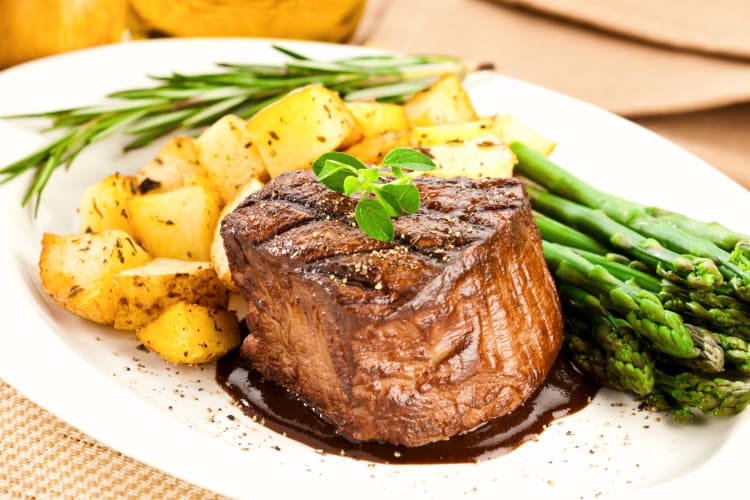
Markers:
{"x": 189, "y": 102}
{"x": 379, "y": 201}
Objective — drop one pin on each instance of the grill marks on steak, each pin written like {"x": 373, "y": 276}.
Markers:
{"x": 372, "y": 283}
{"x": 454, "y": 323}
{"x": 314, "y": 227}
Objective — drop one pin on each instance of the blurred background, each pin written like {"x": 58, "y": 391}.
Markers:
{"x": 678, "y": 67}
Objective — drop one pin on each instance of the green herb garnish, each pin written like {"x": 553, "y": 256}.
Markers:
{"x": 379, "y": 201}
{"x": 190, "y": 102}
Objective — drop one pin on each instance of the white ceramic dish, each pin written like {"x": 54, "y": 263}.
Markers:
{"x": 176, "y": 418}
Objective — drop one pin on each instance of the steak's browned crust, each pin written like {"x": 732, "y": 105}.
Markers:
{"x": 454, "y": 323}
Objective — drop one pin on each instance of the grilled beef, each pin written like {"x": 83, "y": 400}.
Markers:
{"x": 455, "y": 322}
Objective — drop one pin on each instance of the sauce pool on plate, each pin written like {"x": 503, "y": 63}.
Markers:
{"x": 565, "y": 391}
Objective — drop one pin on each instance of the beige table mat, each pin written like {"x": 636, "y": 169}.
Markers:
{"x": 607, "y": 70}
{"x": 42, "y": 457}
{"x": 715, "y": 26}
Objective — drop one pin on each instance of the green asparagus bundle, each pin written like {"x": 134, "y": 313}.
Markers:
{"x": 639, "y": 283}
{"x": 717, "y": 233}
{"x": 711, "y": 396}
{"x": 604, "y": 345}
{"x": 709, "y": 357}
{"x": 691, "y": 271}
{"x": 642, "y": 309}
{"x": 535, "y": 166}
{"x": 709, "y": 308}
{"x": 627, "y": 363}
{"x": 683, "y": 393}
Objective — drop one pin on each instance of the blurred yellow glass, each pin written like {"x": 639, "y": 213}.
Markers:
{"x": 35, "y": 28}
{"x": 324, "y": 20}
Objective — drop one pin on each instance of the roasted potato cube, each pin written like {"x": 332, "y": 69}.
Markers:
{"x": 511, "y": 129}
{"x": 174, "y": 166}
{"x": 475, "y": 158}
{"x": 445, "y": 101}
{"x": 356, "y": 134}
{"x": 376, "y": 118}
{"x": 190, "y": 333}
{"x": 452, "y": 132}
{"x": 78, "y": 271}
{"x": 176, "y": 224}
{"x": 142, "y": 293}
{"x": 296, "y": 129}
{"x": 104, "y": 204}
{"x": 229, "y": 154}
{"x": 372, "y": 149}
{"x": 219, "y": 259}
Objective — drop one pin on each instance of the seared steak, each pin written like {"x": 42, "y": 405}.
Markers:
{"x": 454, "y": 323}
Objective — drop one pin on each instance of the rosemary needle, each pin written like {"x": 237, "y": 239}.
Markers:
{"x": 189, "y": 102}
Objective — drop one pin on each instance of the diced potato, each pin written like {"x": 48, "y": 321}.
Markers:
{"x": 452, "y": 132}
{"x": 142, "y": 293}
{"x": 189, "y": 333}
{"x": 511, "y": 129}
{"x": 176, "y": 224}
{"x": 445, "y": 101}
{"x": 474, "y": 158}
{"x": 295, "y": 130}
{"x": 174, "y": 166}
{"x": 229, "y": 153}
{"x": 376, "y": 118}
{"x": 78, "y": 271}
{"x": 372, "y": 149}
{"x": 355, "y": 135}
{"x": 104, "y": 204}
{"x": 218, "y": 253}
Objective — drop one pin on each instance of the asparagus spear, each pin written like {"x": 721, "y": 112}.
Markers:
{"x": 736, "y": 352}
{"x": 642, "y": 309}
{"x": 708, "y": 307}
{"x": 740, "y": 256}
{"x": 557, "y": 232}
{"x": 588, "y": 357}
{"x": 694, "y": 272}
{"x": 722, "y": 236}
{"x": 554, "y": 231}
{"x": 711, "y": 308}
{"x": 733, "y": 320}
{"x": 714, "y": 396}
{"x": 538, "y": 168}
{"x": 711, "y": 356}
{"x": 627, "y": 361}
{"x": 680, "y": 394}
{"x": 614, "y": 335}
{"x": 623, "y": 268}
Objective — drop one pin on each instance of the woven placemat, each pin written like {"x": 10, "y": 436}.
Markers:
{"x": 43, "y": 457}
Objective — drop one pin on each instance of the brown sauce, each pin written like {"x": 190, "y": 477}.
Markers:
{"x": 565, "y": 391}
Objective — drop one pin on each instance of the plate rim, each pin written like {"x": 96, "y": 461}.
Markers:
{"x": 164, "y": 426}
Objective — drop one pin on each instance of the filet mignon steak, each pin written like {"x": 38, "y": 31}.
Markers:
{"x": 455, "y": 322}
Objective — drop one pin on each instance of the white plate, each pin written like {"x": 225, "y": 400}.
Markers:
{"x": 175, "y": 418}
